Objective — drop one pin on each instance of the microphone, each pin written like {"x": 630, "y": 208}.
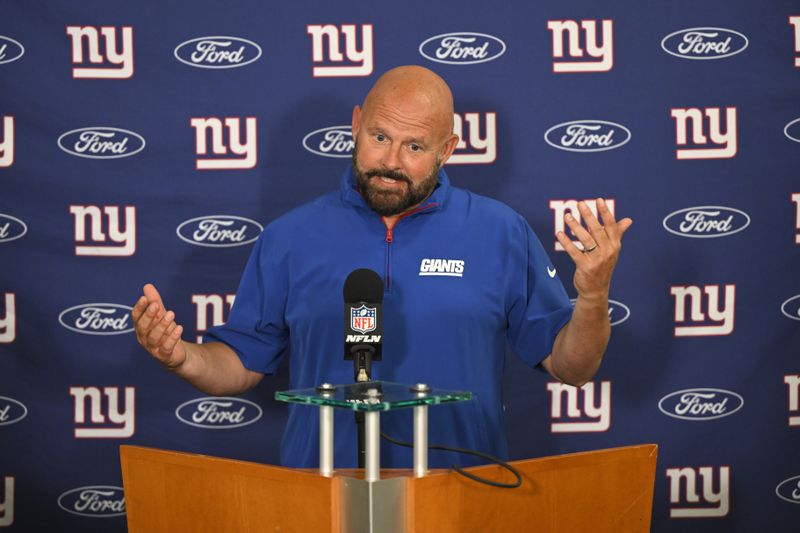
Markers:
{"x": 363, "y": 314}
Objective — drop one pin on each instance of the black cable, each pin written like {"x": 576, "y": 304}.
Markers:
{"x": 464, "y": 473}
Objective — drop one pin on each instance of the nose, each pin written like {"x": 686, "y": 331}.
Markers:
{"x": 391, "y": 157}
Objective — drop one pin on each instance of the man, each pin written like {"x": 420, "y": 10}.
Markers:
{"x": 394, "y": 211}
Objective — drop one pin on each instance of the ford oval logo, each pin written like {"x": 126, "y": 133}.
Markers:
{"x": 218, "y": 412}
{"x": 11, "y": 228}
{"x": 10, "y": 49}
{"x": 706, "y": 221}
{"x": 704, "y": 43}
{"x": 11, "y": 411}
{"x": 462, "y": 48}
{"x": 700, "y": 404}
{"x": 791, "y": 307}
{"x": 618, "y": 312}
{"x": 334, "y": 141}
{"x": 217, "y": 52}
{"x": 587, "y": 136}
{"x": 101, "y": 142}
{"x": 98, "y": 501}
{"x": 98, "y": 319}
{"x": 219, "y": 231}
{"x": 792, "y": 130}
{"x": 789, "y": 489}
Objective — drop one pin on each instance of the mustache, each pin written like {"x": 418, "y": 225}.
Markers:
{"x": 386, "y": 173}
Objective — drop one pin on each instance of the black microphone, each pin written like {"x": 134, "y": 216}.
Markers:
{"x": 363, "y": 324}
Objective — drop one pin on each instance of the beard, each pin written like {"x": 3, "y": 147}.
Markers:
{"x": 393, "y": 202}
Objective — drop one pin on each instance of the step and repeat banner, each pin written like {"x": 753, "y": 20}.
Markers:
{"x": 153, "y": 141}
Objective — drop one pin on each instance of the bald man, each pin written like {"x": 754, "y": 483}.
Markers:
{"x": 463, "y": 276}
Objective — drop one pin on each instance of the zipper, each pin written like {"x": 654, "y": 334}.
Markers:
{"x": 390, "y": 240}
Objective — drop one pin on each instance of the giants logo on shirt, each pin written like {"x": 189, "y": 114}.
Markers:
{"x": 329, "y": 62}
{"x": 793, "y": 382}
{"x": 120, "y": 424}
{"x": 8, "y": 322}
{"x": 794, "y": 20}
{"x": 562, "y": 207}
{"x": 685, "y": 499}
{"x": 7, "y": 143}
{"x": 120, "y": 59}
{"x": 123, "y": 242}
{"x": 472, "y": 148}
{"x": 213, "y": 306}
{"x": 245, "y": 152}
{"x": 718, "y": 322}
{"x": 721, "y": 145}
{"x": 442, "y": 267}
{"x": 7, "y": 505}
{"x": 593, "y": 414}
{"x": 599, "y": 45}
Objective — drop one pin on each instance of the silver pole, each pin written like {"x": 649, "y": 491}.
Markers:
{"x": 372, "y": 440}
{"x": 326, "y": 433}
{"x": 420, "y": 440}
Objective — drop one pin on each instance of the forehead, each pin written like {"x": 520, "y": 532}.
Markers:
{"x": 402, "y": 117}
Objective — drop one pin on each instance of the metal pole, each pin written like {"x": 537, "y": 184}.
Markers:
{"x": 372, "y": 444}
{"x": 421, "y": 433}
{"x": 326, "y": 433}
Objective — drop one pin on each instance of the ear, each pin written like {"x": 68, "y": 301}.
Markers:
{"x": 449, "y": 147}
{"x": 356, "y": 123}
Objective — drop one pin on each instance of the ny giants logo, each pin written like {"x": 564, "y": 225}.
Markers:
{"x": 8, "y": 321}
{"x": 793, "y": 383}
{"x": 123, "y": 243}
{"x": 326, "y": 50}
{"x": 245, "y": 152}
{"x": 587, "y": 136}
{"x": 704, "y": 43}
{"x": 11, "y": 411}
{"x": 472, "y": 148}
{"x": 591, "y": 415}
{"x": 97, "y": 319}
{"x": 333, "y": 141}
{"x": 7, "y": 505}
{"x": 100, "y": 142}
{"x": 794, "y": 20}
{"x": 218, "y": 413}
{"x": 11, "y": 228}
{"x": 213, "y": 306}
{"x": 706, "y": 222}
{"x": 7, "y": 143}
{"x": 598, "y": 45}
{"x": 796, "y": 200}
{"x": 700, "y": 404}
{"x": 789, "y": 490}
{"x": 115, "y": 424}
{"x": 217, "y": 52}
{"x": 462, "y": 48}
{"x": 10, "y": 49}
{"x": 562, "y": 207}
{"x": 97, "y": 501}
{"x": 684, "y": 498}
{"x": 120, "y": 58}
{"x": 219, "y": 231}
{"x": 718, "y": 322}
{"x": 723, "y": 143}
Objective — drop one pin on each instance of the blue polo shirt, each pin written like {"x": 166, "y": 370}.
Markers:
{"x": 463, "y": 276}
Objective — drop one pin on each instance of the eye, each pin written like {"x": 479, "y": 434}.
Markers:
{"x": 414, "y": 147}
{"x": 380, "y": 137}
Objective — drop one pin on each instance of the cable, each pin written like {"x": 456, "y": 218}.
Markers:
{"x": 464, "y": 473}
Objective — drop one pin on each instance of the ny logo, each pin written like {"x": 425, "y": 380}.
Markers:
{"x": 478, "y": 149}
{"x": 592, "y": 416}
{"x": 723, "y": 143}
{"x": 120, "y": 425}
{"x": 7, "y": 505}
{"x": 718, "y": 322}
{"x": 122, "y": 60}
{"x": 214, "y": 304}
{"x": 7, "y": 144}
{"x": 359, "y": 62}
{"x": 796, "y": 200}
{"x": 795, "y": 21}
{"x": 599, "y": 47}
{"x": 684, "y": 498}
{"x": 793, "y": 382}
{"x": 123, "y": 243}
{"x": 8, "y": 323}
{"x": 562, "y": 207}
{"x": 245, "y": 152}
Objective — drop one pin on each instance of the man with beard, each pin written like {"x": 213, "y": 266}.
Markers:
{"x": 463, "y": 275}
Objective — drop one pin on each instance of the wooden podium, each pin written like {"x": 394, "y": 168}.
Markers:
{"x": 601, "y": 491}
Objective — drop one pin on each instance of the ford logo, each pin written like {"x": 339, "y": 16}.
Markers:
{"x": 101, "y": 142}
{"x": 587, "y": 136}
{"x": 791, "y": 307}
{"x": 10, "y": 50}
{"x": 618, "y": 312}
{"x": 334, "y": 141}
{"x": 792, "y": 130}
{"x": 706, "y": 222}
{"x": 700, "y": 404}
{"x": 95, "y": 501}
{"x": 11, "y": 411}
{"x": 97, "y": 319}
{"x": 218, "y": 412}
{"x": 462, "y": 48}
{"x": 789, "y": 489}
{"x": 704, "y": 43}
{"x": 217, "y": 52}
{"x": 11, "y": 228}
{"x": 219, "y": 231}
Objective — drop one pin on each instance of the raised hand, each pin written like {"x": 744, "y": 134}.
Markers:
{"x": 156, "y": 329}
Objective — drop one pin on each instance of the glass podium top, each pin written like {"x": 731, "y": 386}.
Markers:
{"x": 372, "y": 396}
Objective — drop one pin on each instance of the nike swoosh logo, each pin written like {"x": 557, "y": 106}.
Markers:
{"x": 551, "y": 272}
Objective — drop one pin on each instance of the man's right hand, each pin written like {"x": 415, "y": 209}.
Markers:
{"x": 156, "y": 329}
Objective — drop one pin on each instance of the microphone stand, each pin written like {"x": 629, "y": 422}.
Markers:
{"x": 362, "y": 368}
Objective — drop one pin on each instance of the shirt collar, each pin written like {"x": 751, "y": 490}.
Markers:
{"x": 437, "y": 199}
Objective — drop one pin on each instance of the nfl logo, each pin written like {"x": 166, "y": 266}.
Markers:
{"x": 362, "y": 319}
